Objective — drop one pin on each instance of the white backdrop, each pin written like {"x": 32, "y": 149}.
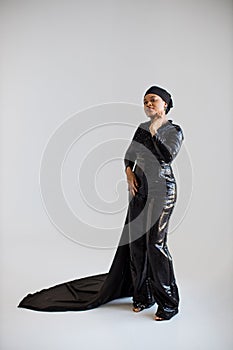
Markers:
{"x": 60, "y": 58}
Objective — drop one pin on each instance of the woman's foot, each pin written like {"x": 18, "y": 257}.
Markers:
{"x": 161, "y": 315}
{"x": 157, "y": 318}
{"x": 137, "y": 307}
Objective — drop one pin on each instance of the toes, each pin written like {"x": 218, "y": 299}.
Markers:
{"x": 137, "y": 309}
{"x": 157, "y": 318}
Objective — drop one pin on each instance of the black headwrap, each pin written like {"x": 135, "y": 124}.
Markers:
{"x": 163, "y": 94}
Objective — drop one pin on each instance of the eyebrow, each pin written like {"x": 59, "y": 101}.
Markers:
{"x": 149, "y": 98}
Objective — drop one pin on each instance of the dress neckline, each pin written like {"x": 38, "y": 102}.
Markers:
{"x": 147, "y": 123}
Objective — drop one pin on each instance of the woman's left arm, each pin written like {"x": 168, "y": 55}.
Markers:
{"x": 168, "y": 142}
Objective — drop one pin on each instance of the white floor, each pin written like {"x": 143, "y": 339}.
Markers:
{"x": 34, "y": 259}
{"x": 203, "y": 323}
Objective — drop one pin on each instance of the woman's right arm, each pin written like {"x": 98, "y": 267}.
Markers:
{"x": 129, "y": 160}
{"x": 130, "y": 155}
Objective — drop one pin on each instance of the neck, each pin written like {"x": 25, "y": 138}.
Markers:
{"x": 165, "y": 120}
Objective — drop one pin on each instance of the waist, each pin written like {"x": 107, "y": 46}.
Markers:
{"x": 154, "y": 170}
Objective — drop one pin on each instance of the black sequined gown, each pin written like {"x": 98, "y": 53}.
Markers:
{"x": 142, "y": 266}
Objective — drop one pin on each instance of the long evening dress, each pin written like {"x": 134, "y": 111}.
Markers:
{"x": 142, "y": 266}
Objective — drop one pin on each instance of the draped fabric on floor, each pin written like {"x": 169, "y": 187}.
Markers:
{"x": 88, "y": 292}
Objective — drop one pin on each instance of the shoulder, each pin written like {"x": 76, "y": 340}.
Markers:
{"x": 142, "y": 131}
{"x": 144, "y": 125}
{"x": 175, "y": 128}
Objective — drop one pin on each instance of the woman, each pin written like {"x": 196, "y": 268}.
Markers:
{"x": 153, "y": 187}
{"x": 142, "y": 266}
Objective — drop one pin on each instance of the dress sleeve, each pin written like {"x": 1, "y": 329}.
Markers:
{"x": 168, "y": 143}
{"x": 130, "y": 155}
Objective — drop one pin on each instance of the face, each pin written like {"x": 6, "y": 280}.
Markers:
{"x": 154, "y": 104}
